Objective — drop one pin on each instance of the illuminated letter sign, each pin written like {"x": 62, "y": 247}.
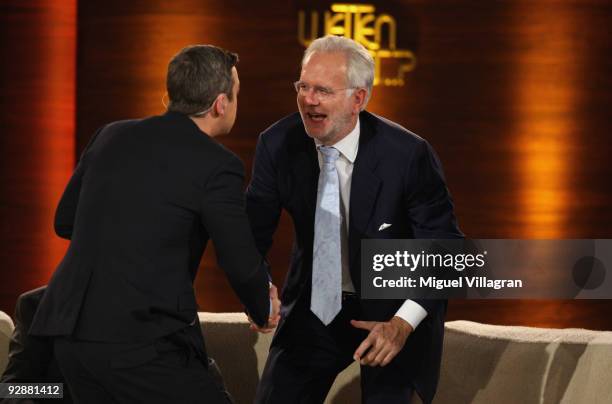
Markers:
{"x": 357, "y": 21}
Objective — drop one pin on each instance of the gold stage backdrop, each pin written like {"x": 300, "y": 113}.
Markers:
{"x": 514, "y": 96}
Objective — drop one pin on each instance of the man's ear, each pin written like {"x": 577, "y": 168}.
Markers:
{"x": 220, "y": 104}
{"x": 359, "y": 96}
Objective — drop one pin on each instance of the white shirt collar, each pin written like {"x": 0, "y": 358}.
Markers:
{"x": 348, "y": 145}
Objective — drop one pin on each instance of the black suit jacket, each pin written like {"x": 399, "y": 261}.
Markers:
{"x": 396, "y": 179}
{"x": 142, "y": 203}
{"x": 31, "y": 358}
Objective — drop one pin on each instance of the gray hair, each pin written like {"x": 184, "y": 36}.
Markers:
{"x": 359, "y": 62}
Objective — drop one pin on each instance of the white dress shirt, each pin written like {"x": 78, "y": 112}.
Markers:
{"x": 410, "y": 311}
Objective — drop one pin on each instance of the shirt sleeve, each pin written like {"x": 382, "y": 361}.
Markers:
{"x": 411, "y": 312}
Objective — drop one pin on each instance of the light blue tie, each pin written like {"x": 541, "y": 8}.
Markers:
{"x": 325, "y": 300}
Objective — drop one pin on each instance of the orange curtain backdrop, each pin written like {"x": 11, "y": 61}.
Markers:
{"x": 38, "y": 87}
{"x": 514, "y": 96}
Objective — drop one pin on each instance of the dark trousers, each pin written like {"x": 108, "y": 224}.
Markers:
{"x": 304, "y": 362}
{"x": 164, "y": 371}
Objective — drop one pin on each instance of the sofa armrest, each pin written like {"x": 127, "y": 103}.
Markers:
{"x": 6, "y": 331}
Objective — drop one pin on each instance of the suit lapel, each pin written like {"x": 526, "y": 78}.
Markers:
{"x": 365, "y": 186}
{"x": 304, "y": 172}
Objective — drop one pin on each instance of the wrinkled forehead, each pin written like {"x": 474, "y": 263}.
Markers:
{"x": 328, "y": 69}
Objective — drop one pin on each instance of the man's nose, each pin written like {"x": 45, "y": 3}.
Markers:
{"x": 310, "y": 97}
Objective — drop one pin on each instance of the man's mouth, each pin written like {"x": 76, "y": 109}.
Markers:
{"x": 316, "y": 117}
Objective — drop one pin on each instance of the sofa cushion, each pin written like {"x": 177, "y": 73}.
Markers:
{"x": 508, "y": 364}
{"x": 6, "y": 330}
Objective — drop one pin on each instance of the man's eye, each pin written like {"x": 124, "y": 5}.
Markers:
{"x": 324, "y": 91}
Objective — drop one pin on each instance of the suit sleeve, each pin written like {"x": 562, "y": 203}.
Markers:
{"x": 430, "y": 205}
{"x": 67, "y": 207}
{"x": 224, "y": 218}
{"x": 262, "y": 198}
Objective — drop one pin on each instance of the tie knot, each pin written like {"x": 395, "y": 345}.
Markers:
{"x": 330, "y": 154}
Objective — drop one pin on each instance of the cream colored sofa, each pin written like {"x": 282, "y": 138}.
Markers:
{"x": 481, "y": 363}
{"x": 6, "y": 329}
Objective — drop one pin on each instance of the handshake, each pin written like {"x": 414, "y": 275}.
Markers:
{"x": 275, "y": 305}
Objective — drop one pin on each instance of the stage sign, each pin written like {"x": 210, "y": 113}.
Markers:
{"x": 378, "y": 33}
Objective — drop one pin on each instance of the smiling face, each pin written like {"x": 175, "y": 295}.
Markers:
{"x": 332, "y": 117}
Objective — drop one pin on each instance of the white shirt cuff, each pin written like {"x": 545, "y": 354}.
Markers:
{"x": 412, "y": 312}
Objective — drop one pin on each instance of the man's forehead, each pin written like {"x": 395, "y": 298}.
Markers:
{"x": 334, "y": 59}
{"x": 325, "y": 66}
{"x": 235, "y": 75}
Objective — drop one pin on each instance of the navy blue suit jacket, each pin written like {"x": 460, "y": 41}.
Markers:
{"x": 139, "y": 209}
{"x": 396, "y": 179}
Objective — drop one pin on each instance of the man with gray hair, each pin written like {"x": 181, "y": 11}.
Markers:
{"x": 344, "y": 174}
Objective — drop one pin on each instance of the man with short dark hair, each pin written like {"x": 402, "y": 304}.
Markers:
{"x": 195, "y": 79}
{"x": 344, "y": 174}
{"x": 139, "y": 209}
